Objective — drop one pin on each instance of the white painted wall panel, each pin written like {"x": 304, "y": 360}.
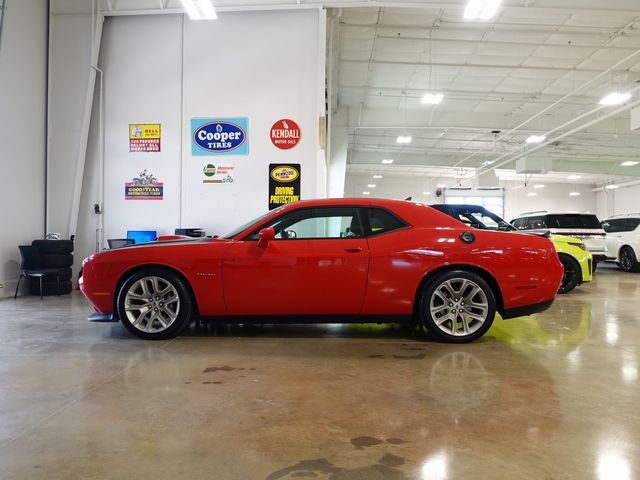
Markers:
{"x": 141, "y": 60}
{"x": 260, "y": 65}
{"x": 22, "y": 132}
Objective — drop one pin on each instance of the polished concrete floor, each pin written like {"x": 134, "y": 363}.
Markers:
{"x": 554, "y": 396}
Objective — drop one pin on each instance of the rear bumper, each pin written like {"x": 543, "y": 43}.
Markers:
{"x": 527, "y": 309}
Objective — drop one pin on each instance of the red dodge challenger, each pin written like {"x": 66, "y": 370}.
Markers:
{"x": 333, "y": 260}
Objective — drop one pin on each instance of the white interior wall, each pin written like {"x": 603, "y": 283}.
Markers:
{"x": 617, "y": 202}
{"x": 271, "y": 74}
{"x": 23, "y": 60}
{"x": 554, "y": 196}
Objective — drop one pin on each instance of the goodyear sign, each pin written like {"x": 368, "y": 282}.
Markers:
{"x": 133, "y": 191}
{"x": 144, "y": 137}
{"x": 284, "y": 184}
{"x": 219, "y": 136}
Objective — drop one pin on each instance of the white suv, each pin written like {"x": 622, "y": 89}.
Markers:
{"x": 584, "y": 226}
{"x": 623, "y": 241}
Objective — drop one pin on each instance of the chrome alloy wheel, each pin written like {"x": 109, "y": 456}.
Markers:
{"x": 459, "y": 307}
{"x": 152, "y": 304}
{"x": 627, "y": 259}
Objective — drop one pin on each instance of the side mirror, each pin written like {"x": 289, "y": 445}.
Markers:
{"x": 265, "y": 236}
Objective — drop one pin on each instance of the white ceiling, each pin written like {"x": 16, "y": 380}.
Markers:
{"x": 495, "y": 75}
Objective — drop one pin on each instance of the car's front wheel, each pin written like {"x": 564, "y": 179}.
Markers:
{"x": 628, "y": 261}
{"x": 572, "y": 274}
{"x": 155, "y": 304}
{"x": 457, "y": 306}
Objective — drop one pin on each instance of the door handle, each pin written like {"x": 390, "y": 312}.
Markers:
{"x": 353, "y": 250}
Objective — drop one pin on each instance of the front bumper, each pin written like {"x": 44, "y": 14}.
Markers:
{"x": 101, "y": 317}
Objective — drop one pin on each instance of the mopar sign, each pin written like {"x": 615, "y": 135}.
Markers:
{"x": 219, "y": 136}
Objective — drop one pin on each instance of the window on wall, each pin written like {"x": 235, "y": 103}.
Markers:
{"x": 493, "y": 203}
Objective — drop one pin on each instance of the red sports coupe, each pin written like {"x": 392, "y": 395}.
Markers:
{"x": 334, "y": 260}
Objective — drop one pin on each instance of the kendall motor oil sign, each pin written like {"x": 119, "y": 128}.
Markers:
{"x": 219, "y": 136}
{"x": 285, "y": 134}
{"x": 284, "y": 184}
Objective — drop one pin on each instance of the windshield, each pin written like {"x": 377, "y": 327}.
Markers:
{"x": 476, "y": 216}
{"x": 573, "y": 220}
{"x": 241, "y": 228}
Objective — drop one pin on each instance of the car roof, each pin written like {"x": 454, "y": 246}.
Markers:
{"x": 544, "y": 213}
{"x": 622, "y": 216}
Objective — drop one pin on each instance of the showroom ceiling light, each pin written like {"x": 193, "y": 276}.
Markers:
{"x": 538, "y": 185}
{"x": 404, "y": 139}
{"x": 611, "y": 187}
{"x": 532, "y": 194}
{"x": 481, "y": 9}
{"x": 615, "y": 98}
{"x": 371, "y": 185}
{"x": 377, "y": 176}
{"x": 432, "y": 98}
{"x": 426, "y": 193}
{"x": 629, "y": 163}
{"x": 574, "y": 177}
{"x": 536, "y": 139}
{"x": 387, "y": 161}
{"x": 441, "y": 185}
{"x": 574, "y": 194}
{"x": 366, "y": 193}
{"x": 199, "y": 9}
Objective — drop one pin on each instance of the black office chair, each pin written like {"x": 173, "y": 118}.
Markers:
{"x": 32, "y": 267}
{"x": 120, "y": 242}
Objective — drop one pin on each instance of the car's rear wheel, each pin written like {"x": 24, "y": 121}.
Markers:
{"x": 457, "y": 306}
{"x": 572, "y": 274}
{"x": 628, "y": 261}
{"x": 155, "y": 304}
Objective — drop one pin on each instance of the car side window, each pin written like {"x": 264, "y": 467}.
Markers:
{"x": 631, "y": 224}
{"x": 535, "y": 223}
{"x": 378, "y": 221}
{"x": 518, "y": 223}
{"x": 615, "y": 226}
{"x": 317, "y": 223}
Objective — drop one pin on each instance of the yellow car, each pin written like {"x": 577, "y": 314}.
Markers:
{"x": 576, "y": 259}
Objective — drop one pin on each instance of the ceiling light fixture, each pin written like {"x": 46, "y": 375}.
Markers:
{"x": 574, "y": 194}
{"x": 377, "y": 176}
{"x": 629, "y": 163}
{"x": 441, "y": 185}
{"x": 481, "y": 9}
{"x": 404, "y": 139}
{"x": 431, "y": 98}
{"x": 536, "y": 139}
{"x": 611, "y": 187}
{"x": 371, "y": 185}
{"x": 532, "y": 194}
{"x": 366, "y": 193}
{"x": 615, "y": 98}
{"x": 539, "y": 185}
{"x": 199, "y": 9}
{"x": 387, "y": 161}
{"x": 574, "y": 177}
{"x": 426, "y": 193}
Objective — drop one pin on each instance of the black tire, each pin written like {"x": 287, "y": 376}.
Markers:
{"x": 54, "y": 260}
{"x": 184, "y": 310}
{"x": 59, "y": 247}
{"x": 594, "y": 267}
{"x": 435, "y": 291}
{"x": 48, "y": 287}
{"x": 572, "y": 276}
{"x": 628, "y": 261}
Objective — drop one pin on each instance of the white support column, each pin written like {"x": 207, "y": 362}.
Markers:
{"x": 338, "y": 148}
{"x": 86, "y": 121}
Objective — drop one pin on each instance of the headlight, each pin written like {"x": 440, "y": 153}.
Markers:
{"x": 578, "y": 244}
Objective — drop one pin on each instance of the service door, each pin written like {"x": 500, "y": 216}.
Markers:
{"x": 317, "y": 265}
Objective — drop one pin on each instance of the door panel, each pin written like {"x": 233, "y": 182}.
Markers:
{"x": 296, "y": 277}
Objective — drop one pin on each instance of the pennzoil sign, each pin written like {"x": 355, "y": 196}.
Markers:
{"x": 219, "y": 136}
{"x": 284, "y": 184}
{"x": 285, "y": 174}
